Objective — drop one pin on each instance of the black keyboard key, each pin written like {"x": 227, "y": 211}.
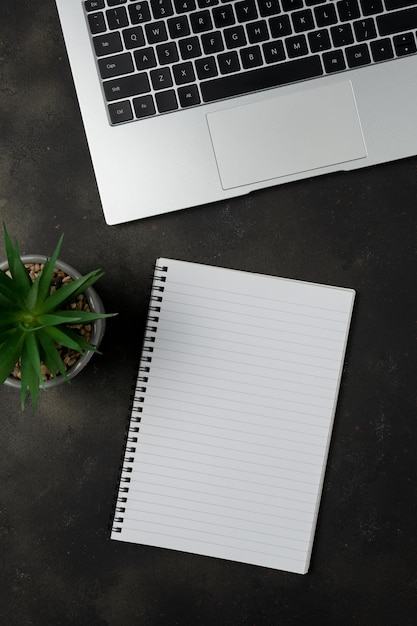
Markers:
{"x": 183, "y": 73}
{"x": 397, "y": 22}
{"x": 405, "y": 44}
{"x": 364, "y": 29}
{"x": 371, "y": 7}
{"x": 183, "y": 6}
{"x": 246, "y": 10}
{"x": 144, "y": 106}
{"x": 139, "y": 12}
{"x": 392, "y": 5}
{"x": 166, "y": 101}
{"x": 223, "y": 16}
{"x": 280, "y": 26}
{"x": 167, "y": 53}
{"x": 292, "y": 5}
{"x": 206, "y": 68}
{"x": 342, "y": 35}
{"x": 228, "y": 62}
{"x": 334, "y": 61}
{"x": 268, "y": 7}
{"x": 273, "y": 51}
{"x": 348, "y": 10}
{"x": 382, "y": 50}
{"x": 162, "y": 8}
{"x": 116, "y": 65}
{"x": 179, "y": 27}
{"x": 201, "y": 22}
{"x": 251, "y": 57}
{"x": 156, "y": 32}
{"x": 189, "y": 96}
{"x": 120, "y": 112}
{"x": 262, "y": 78}
{"x": 357, "y": 56}
{"x": 117, "y": 18}
{"x": 325, "y": 15}
{"x": 207, "y": 3}
{"x": 257, "y": 32}
{"x": 234, "y": 37}
{"x": 126, "y": 86}
{"x": 110, "y": 43}
{"x": 145, "y": 59}
{"x": 113, "y": 3}
{"x": 319, "y": 40}
{"x": 296, "y": 46}
{"x": 93, "y": 5}
{"x": 212, "y": 42}
{"x": 302, "y": 21}
{"x": 133, "y": 37}
{"x": 190, "y": 48}
{"x": 161, "y": 78}
{"x": 97, "y": 23}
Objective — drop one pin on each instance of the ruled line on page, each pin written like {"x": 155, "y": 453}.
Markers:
{"x": 164, "y": 462}
{"x": 223, "y": 504}
{"x": 246, "y": 295}
{"x": 285, "y": 466}
{"x": 254, "y": 374}
{"x": 236, "y": 352}
{"x": 142, "y": 496}
{"x": 166, "y": 373}
{"x": 252, "y": 427}
{"x": 199, "y": 309}
{"x": 272, "y": 521}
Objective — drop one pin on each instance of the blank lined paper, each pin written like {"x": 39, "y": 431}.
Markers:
{"x": 232, "y": 415}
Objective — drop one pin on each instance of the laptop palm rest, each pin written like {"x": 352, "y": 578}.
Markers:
{"x": 289, "y": 134}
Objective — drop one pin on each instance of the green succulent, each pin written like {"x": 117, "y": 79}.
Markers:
{"x": 34, "y": 321}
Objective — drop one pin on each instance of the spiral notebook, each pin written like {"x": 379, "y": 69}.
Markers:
{"x": 232, "y": 415}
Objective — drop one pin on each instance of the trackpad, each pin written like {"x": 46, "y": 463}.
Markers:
{"x": 286, "y": 135}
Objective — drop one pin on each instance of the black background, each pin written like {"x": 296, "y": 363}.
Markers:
{"x": 59, "y": 466}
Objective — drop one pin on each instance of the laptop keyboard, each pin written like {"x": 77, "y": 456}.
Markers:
{"x": 159, "y": 56}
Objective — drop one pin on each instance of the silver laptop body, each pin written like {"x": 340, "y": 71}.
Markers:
{"x": 213, "y": 149}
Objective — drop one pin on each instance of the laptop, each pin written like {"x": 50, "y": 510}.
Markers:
{"x": 188, "y": 102}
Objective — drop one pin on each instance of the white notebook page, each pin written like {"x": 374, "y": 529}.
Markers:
{"x": 235, "y": 415}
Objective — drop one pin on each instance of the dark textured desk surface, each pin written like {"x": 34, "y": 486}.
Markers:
{"x": 58, "y": 467}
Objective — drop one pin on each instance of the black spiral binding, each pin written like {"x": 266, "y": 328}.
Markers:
{"x": 139, "y": 391}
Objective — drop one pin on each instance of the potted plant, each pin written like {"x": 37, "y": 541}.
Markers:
{"x": 40, "y": 322}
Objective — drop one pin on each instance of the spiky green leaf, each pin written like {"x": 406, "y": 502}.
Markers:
{"x": 32, "y": 295}
{"x": 21, "y": 279}
{"x": 69, "y": 291}
{"x": 46, "y": 275}
{"x": 61, "y": 337}
{"x": 50, "y": 355}
{"x": 8, "y": 319}
{"x": 31, "y": 354}
{"x": 11, "y": 350}
{"x": 7, "y": 292}
{"x": 71, "y": 317}
{"x": 59, "y": 317}
{"x": 30, "y": 370}
{"x": 82, "y": 343}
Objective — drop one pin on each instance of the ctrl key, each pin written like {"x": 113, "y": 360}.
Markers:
{"x": 120, "y": 112}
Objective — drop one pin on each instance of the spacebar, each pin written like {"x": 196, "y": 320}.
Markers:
{"x": 262, "y": 78}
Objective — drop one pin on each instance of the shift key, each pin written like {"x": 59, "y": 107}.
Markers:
{"x": 397, "y": 22}
{"x": 116, "y": 65}
{"x": 126, "y": 86}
